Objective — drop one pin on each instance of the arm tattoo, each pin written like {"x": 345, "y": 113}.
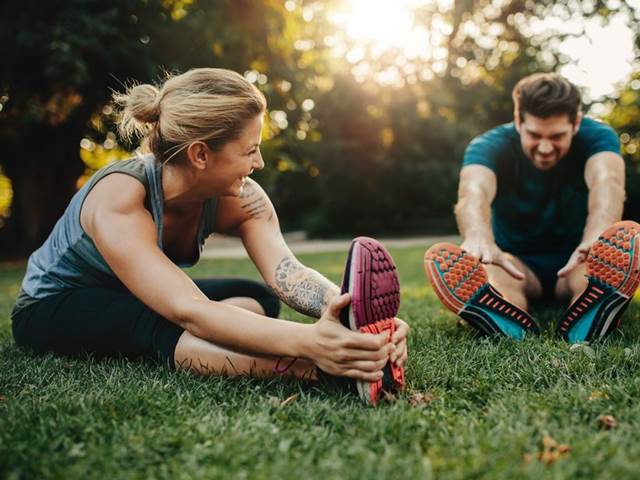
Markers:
{"x": 248, "y": 190}
{"x": 255, "y": 208}
{"x": 302, "y": 288}
{"x": 254, "y": 204}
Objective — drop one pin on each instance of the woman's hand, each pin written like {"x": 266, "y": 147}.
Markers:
{"x": 339, "y": 351}
{"x": 399, "y": 339}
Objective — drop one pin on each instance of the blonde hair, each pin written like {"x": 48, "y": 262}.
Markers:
{"x": 204, "y": 104}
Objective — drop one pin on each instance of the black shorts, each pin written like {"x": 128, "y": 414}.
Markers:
{"x": 546, "y": 266}
{"x": 110, "y": 323}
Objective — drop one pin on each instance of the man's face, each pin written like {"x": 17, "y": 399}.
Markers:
{"x": 546, "y": 140}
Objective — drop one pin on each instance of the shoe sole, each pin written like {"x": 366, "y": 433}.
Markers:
{"x": 461, "y": 283}
{"x": 613, "y": 274}
{"x": 371, "y": 278}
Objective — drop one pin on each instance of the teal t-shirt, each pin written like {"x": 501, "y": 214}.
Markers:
{"x": 537, "y": 211}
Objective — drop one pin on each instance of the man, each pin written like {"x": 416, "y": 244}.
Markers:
{"x": 534, "y": 196}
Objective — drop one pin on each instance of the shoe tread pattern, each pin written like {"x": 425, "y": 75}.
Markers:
{"x": 461, "y": 283}
{"x": 613, "y": 274}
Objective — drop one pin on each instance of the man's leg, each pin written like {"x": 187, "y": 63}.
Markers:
{"x": 613, "y": 275}
{"x": 465, "y": 287}
{"x": 568, "y": 289}
{"x": 518, "y": 292}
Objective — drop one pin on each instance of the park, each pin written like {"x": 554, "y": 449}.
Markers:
{"x": 359, "y": 117}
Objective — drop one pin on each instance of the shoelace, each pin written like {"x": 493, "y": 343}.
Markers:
{"x": 380, "y": 326}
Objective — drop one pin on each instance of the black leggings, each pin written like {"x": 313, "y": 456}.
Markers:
{"x": 110, "y": 323}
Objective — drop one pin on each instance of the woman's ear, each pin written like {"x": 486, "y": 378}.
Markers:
{"x": 198, "y": 155}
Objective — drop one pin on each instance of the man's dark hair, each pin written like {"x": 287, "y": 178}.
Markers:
{"x": 544, "y": 95}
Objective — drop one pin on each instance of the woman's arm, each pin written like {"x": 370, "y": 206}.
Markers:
{"x": 113, "y": 215}
{"x": 253, "y": 217}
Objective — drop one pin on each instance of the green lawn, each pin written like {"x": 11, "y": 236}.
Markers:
{"x": 488, "y": 409}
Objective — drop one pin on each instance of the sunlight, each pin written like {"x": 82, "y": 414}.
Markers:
{"x": 383, "y": 25}
{"x": 600, "y": 57}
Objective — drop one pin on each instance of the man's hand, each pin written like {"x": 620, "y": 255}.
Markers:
{"x": 578, "y": 257}
{"x": 489, "y": 253}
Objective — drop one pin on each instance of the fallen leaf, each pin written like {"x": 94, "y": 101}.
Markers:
{"x": 597, "y": 395}
{"x": 290, "y": 399}
{"x": 418, "y": 399}
{"x": 2, "y": 398}
{"x": 552, "y": 451}
{"x": 583, "y": 348}
{"x": 549, "y": 442}
{"x": 547, "y": 457}
{"x": 389, "y": 397}
{"x": 607, "y": 422}
{"x": 462, "y": 323}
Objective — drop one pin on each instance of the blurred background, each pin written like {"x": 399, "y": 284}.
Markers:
{"x": 371, "y": 102}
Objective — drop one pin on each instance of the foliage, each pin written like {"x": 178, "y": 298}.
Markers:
{"x": 59, "y": 61}
{"x": 625, "y": 118}
{"x": 358, "y": 140}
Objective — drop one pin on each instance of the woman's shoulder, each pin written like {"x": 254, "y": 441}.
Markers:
{"x": 135, "y": 166}
{"x": 124, "y": 179}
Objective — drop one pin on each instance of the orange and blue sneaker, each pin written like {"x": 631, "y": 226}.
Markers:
{"x": 461, "y": 283}
{"x": 370, "y": 276}
{"x": 613, "y": 272}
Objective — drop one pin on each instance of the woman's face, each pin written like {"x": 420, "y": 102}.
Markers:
{"x": 231, "y": 165}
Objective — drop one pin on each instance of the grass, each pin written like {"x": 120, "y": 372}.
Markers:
{"x": 473, "y": 408}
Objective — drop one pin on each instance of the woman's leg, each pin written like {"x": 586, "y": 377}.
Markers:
{"x": 111, "y": 323}
{"x": 100, "y": 321}
{"x": 207, "y": 358}
{"x": 253, "y": 296}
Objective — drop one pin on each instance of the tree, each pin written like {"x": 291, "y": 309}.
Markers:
{"x": 625, "y": 118}
{"x": 60, "y": 60}
{"x": 348, "y": 150}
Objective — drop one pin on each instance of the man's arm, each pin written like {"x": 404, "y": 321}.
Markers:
{"x": 476, "y": 191}
{"x": 604, "y": 175}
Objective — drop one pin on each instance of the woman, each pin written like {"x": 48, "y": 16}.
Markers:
{"x": 107, "y": 280}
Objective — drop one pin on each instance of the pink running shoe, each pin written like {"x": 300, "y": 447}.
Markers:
{"x": 371, "y": 279}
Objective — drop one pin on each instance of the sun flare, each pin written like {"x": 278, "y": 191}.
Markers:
{"x": 384, "y": 25}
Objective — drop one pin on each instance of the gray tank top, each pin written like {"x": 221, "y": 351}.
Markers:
{"x": 69, "y": 259}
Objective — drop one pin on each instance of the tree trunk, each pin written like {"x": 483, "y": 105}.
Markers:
{"x": 44, "y": 166}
